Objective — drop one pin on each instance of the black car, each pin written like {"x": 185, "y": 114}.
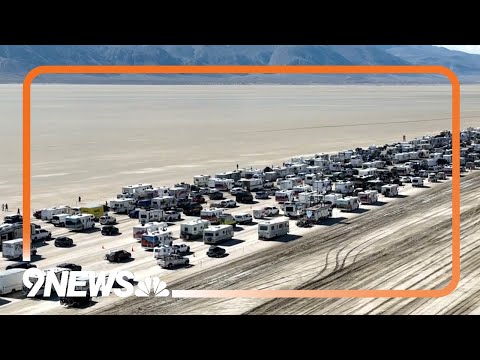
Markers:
{"x": 244, "y": 197}
{"x": 21, "y": 265}
{"x": 261, "y": 195}
{"x": 216, "y": 251}
{"x": 72, "y": 267}
{"x": 118, "y": 255}
{"x": 13, "y": 219}
{"x": 134, "y": 214}
{"x": 217, "y": 195}
{"x": 110, "y": 230}
{"x": 63, "y": 241}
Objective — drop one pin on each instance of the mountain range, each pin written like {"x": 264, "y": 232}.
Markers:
{"x": 17, "y": 60}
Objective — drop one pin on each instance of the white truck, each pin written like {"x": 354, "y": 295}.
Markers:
{"x": 47, "y": 214}
{"x": 272, "y": 229}
{"x": 193, "y": 229}
{"x": 122, "y": 206}
{"x": 172, "y": 260}
{"x": 218, "y": 233}
{"x": 108, "y": 220}
{"x": 139, "y": 230}
{"x": 80, "y": 222}
{"x": 349, "y": 203}
{"x": 38, "y": 234}
{"x": 11, "y": 281}
{"x": 368, "y": 197}
{"x": 316, "y": 213}
{"x": 59, "y": 220}
{"x": 157, "y": 238}
{"x": 417, "y": 181}
{"x": 164, "y": 250}
{"x": 13, "y": 249}
{"x": 147, "y": 216}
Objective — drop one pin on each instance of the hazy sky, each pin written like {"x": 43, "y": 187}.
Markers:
{"x": 474, "y": 49}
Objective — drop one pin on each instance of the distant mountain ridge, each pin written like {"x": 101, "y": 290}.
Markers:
{"x": 17, "y": 60}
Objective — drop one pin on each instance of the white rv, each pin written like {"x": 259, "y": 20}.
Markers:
{"x": 11, "y": 281}
{"x": 311, "y": 178}
{"x": 368, "y": 197}
{"x": 201, "y": 180}
{"x": 390, "y": 190}
{"x": 301, "y": 188}
{"x": 164, "y": 202}
{"x": 10, "y": 232}
{"x": 294, "y": 210}
{"x": 212, "y": 215}
{"x": 349, "y": 203}
{"x": 120, "y": 206}
{"x": 221, "y": 184}
{"x": 252, "y": 184}
{"x": 139, "y": 230}
{"x": 218, "y": 233}
{"x": 316, "y": 213}
{"x": 310, "y": 198}
{"x": 80, "y": 222}
{"x": 285, "y": 184}
{"x": 13, "y": 249}
{"x": 47, "y": 214}
{"x": 356, "y": 161}
{"x": 272, "y": 229}
{"x": 344, "y": 187}
{"x": 193, "y": 229}
{"x": 157, "y": 238}
{"x": 367, "y": 172}
{"x": 136, "y": 191}
{"x": 59, "y": 220}
{"x": 147, "y": 216}
{"x": 332, "y": 198}
{"x": 179, "y": 192}
{"x": 284, "y": 196}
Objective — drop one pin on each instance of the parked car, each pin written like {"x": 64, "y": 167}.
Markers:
{"x": 215, "y": 195}
{"x": 193, "y": 209}
{"x": 172, "y": 260}
{"x": 172, "y": 215}
{"x": 21, "y": 265}
{"x": 63, "y": 241}
{"x": 181, "y": 249}
{"x": 109, "y": 230}
{"x": 236, "y": 190}
{"x": 72, "y": 267}
{"x": 229, "y": 203}
{"x": 216, "y": 251}
{"x": 271, "y": 210}
{"x": 406, "y": 179}
{"x": 118, "y": 255}
{"x": 13, "y": 219}
{"x": 262, "y": 195}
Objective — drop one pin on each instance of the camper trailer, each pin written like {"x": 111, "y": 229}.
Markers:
{"x": 140, "y": 230}
{"x": 201, "y": 180}
{"x": 294, "y": 209}
{"x": 47, "y": 214}
{"x": 252, "y": 184}
{"x": 122, "y": 206}
{"x": 221, "y": 184}
{"x": 390, "y": 190}
{"x": 147, "y": 216}
{"x": 301, "y": 188}
{"x": 332, "y": 198}
{"x": 367, "y": 172}
{"x": 193, "y": 229}
{"x": 349, "y": 203}
{"x": 10, "y": 232}
{"x": 80, "y": 222}
{"x": 136, "y": 191}
{"x": 179, "y": 193}
{"x": 164, "y": 202}
{"x": 11, "y": 281}
{"x": 151, "y": 240}
{"x": 273, "y": 229}
{"x": 311, "y": 178}
{"x": 316, "y": 213}
{"x": 310, "y": 198}
{"x": 285, "y": 184}
{"x": 368, "y": 197}
{"x": 218, "y": 233}
{"x": 344, "y": 187}
{"x": 13, "y": 249}
{"x": 212, "y": 215}
{"x": 283, "y": 196}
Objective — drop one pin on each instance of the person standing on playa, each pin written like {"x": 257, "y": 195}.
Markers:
{"x": 79, "y": 199}
{"x": 6, "y": 207}
{"x": 18, "y": 211}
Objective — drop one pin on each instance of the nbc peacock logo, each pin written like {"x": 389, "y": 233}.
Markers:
{"x": 152, "y": 286}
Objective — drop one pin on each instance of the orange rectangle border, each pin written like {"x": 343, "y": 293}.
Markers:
{"x": 236, "y": 69}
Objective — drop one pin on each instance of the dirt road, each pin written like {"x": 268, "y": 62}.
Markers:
{"x": 401, "y": 245}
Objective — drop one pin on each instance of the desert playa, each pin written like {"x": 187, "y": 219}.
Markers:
{"x": 89, "y": 140}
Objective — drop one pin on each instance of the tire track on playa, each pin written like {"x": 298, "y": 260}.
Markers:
{"x": 417, "y": 255}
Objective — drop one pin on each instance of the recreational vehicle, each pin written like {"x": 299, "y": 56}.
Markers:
{"x": 193, "y": 229}
{"x": 417, "y": 181}
{"x": 13, "y": 249}
{"x": 252, "y": 184}
{"x": 294, "y": 209}
{"x": 59, "y": 220}
{"x": 10, "y": 232}
{"x": 147, "y": 216}
{"x": 272, "y": 229}
{"x": 179, "y": 193}
{"x": 11, "y": 281}
{"x": 164, "y": 202}
{"x": 47, "y": 214}
{"x": 212, "y": 215}
{"x": 349, "y": 203}
{"x": 157, "y": 238}
{"x": 316, "y": 213}
{"x": 139, "y": 230}
{"x": 344, "y": 187}
{"x": 80, "y": 222}
{"x": 201, "y": 180}
{"x": 283, "y": 196}
{"x": 391, "y": 190}
{"x": 218, "y": 233}
{"x": 368, "y": 197}
{"x": 122, "y": 206}
{"x": 136, "y": 191}
{"x": 221, "y": 184}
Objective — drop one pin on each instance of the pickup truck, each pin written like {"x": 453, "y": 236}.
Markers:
{"x": 41, "y": 235}
{"x": 108, "y": 220}
{"x": 169, "y": 261}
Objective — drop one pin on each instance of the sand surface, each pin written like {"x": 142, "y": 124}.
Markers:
{"x": 89, "y": 140}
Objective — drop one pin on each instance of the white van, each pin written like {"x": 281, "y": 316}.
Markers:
{"x": 59, "y": 220}
{"x": 417, "y": 181}
{"x": 11, "y": 281}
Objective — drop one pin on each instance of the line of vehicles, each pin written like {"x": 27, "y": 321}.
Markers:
{"x": 306, "y": 189}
